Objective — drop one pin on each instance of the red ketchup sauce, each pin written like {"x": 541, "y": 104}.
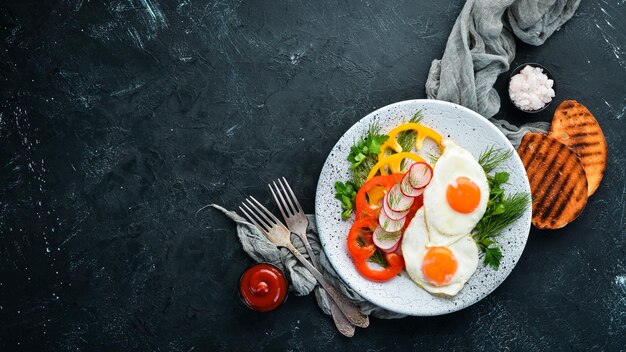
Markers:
{"x": 263, "y": 287}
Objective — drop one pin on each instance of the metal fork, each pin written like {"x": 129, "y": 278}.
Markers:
{"x": 297, "y": 223}
{"x": 293, "y": 214}
{"x": 279, "y": 235}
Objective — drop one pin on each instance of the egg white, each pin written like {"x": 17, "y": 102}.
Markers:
{"x": 455, "y": 162}
{"x": 414, "y": 247}
{"x": 437, "y": 238}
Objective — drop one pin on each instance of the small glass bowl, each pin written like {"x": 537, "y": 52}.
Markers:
{"x": 545, "y": 71}
{"x": 263, "y": 309}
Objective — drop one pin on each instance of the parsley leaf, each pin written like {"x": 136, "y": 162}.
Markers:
{"x": 364, "y": 154}
{"x": 368, "y": 146}
{"x": 346, "y": 193}
{"x": 492, "y": 257}
{"x": 501, "y": 177}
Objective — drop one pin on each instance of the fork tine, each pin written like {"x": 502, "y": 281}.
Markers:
{"x": 255, "y": 217}
{"x": 293, "y": 196}
{"x": 265, "y": 213}
{"x": 280, "y": 204}
{"x": 285, "y": 197}
{"x": 292, "y": 207}
{"x": 258, "y": 214}
{"x": 254, "y": 222}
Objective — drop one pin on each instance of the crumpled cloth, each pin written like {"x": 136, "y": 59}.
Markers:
{"x": 301, "y": 281}
{"x": 481, "y": 46}
{"x": 478, "y": 50}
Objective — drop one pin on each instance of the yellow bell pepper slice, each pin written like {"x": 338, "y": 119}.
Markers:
{"x": 394, "y": 162}
{"x": 421, "y": 133}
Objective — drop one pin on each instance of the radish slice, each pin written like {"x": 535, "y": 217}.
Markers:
{"x": 393, "y": 215}
{"x": 395, "y": 248}
{"x": 420, "y": 175}
{"x": 408, "y": 189}
{"x": 389, "y": 224}
{"x": 407, "y": 165}
{"x": 398, "y": 201}
{"x": 399, "y": 250}
{"x": 386, "y": 240}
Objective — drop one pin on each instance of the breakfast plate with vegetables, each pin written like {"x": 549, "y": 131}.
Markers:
{"x": 423, "y": 207}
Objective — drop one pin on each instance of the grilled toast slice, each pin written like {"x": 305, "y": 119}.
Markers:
{"x": 575, "y": 126}
{"x": 557, "y": 180}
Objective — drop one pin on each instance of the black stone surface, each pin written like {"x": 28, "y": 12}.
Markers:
{"x": 120, "y": 119}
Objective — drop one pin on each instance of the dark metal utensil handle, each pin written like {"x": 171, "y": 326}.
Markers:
{"x": 352, "y": 313}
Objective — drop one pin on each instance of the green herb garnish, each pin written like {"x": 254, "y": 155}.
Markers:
{"x": 406, "y": 139}
{"x": 394, "y": 199}
{"x": 364, "y": 154}
{"x": 433, "y": 158}
{"x": 502, "y": 210}
{"x": 492, "y": 157}
{"x": 368, "y": 145}
{"x": 388, "y": 236}
{"x": 346, "y": 193}
{"x": 414, "y": 179}
{"x": 360, "y": 242}
{"x": 379, "y": 258}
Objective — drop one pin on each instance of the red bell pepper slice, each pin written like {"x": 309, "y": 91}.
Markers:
{"x": 361, "y": 247}
{"x": 360, "y": 241}
{"x": 363, "y": 208}
{"x": 395, "y": 264}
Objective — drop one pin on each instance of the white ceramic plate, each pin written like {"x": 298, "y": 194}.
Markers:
{"x": 472, "y": 132}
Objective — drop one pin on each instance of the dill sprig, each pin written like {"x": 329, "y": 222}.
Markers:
{"x": 502, "y": 210}
{"x": 359, "y": 174}
{"x": 506, "y": 212}
{"x": 388, "y": 235}
{"x": 501, "y": 215}
{"x": 406, "y": 139}
{"x": 360, "y": 242}
{"x": 433, "y": 158}
{"x": 379, "y": 258}
{"x": 492, "y": 157}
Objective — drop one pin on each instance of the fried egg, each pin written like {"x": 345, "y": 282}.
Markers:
{"x": 437, "y": 238}
{"x": 437, "y": 269}
{"x": 456, "y": 198}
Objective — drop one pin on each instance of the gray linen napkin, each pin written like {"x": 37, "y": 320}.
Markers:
{"x": 478, "y": 50}
{"x": 301, "y": 281}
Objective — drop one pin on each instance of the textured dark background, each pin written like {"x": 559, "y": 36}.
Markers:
{"x": 119, "y": 120}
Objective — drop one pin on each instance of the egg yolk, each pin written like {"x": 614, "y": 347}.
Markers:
{"x": 465, "y": 196}
{"x": 439, "y": 265}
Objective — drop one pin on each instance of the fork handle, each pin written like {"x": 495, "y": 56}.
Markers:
{"x": 309, "y": 250}
{"x": 342, "y": 323}
{"x": 352, "y": 312}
